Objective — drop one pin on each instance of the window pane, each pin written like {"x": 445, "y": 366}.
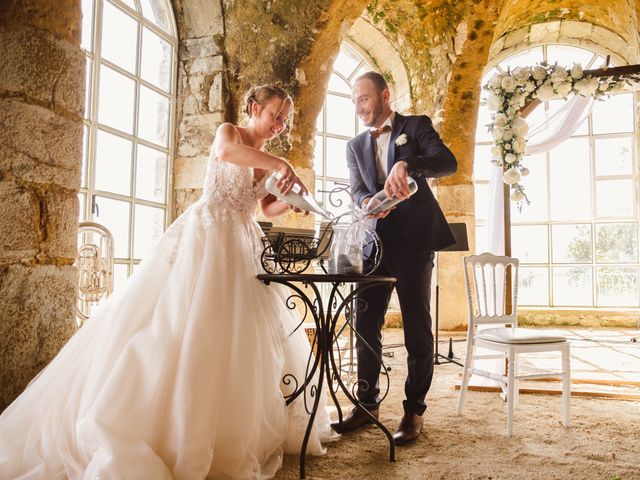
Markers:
{"x": 572, "y": 243}
{"x": 613, "y": 156}
{"x": 317, "y": 155}
{"x": 337, "y": 158}
{"x": 120, "y": 274}
{"x": 151, "y": 174}
{"x": 341, "y": 116}
{"x": 114, "y": 214}
{"x": 614, "y": 114}
{"x": 482, "y": 162}
{"x": 570, "y": 180}
{"x": 346, "y": 61}
{"x": 85, "y": 155}
{"x": 617, "y": 286}
{"x": 481, "y": 196}
{"x": 157, "y": 54}
{"x": 149, "y": 225}
{"x": 116, "y": 100}
{"x": 113, "y": 163}
{"x": 119, "y": 37}
{"x": 320, "y": 121}
{"x": 617, "y": 242}
{"x": 529, "y": 243}
{"x": 572, "y": 286}
{"x": 337, "y": 84}
{"x": 484, "y": 119}
{"x": 154, "y": 117}
{"x": 566, "y": 56}
{"x": 614, "y": 198}
{"x": 82, "y": 201}
{"x": 340, "y": 201}
{"x": 533, "y": 286}
{"x": 481, "y": 239}
{"x": 156, "y": 11}
{"x": 88, "y": 68}
{"x": 526, "y": 58}
{"x": 554, "y": 107}
{"x": 87, "y": 25}
{"x": 535, "y": 185}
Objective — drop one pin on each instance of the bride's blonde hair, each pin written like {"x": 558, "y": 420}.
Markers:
{"x": 263, "y": 94}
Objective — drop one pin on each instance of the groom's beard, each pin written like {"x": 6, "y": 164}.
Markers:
{"x": 377, "y": 113}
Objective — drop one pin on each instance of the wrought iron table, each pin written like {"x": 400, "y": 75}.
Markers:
{"x": 325, "y": 315}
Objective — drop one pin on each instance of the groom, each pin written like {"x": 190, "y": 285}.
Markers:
{"x": 396, "y": 146}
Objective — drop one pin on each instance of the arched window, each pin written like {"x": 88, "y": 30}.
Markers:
{"x": 130, "y": 49}
{"x": 578, "y": 240}
{"x": 335, "y": 126}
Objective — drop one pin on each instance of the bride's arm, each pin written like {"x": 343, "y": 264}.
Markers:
{"x": 272, "y": 207}
{"x": 228, "y": 149}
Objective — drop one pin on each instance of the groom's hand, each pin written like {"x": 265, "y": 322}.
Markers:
{"x": 397, "y": 182}
{"x": 366, "y": 201}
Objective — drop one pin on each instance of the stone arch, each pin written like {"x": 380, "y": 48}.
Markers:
{"x": 568, "y": 32}
{"x": 369, "y": 42}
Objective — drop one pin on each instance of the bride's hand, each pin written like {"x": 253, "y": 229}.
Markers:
{"x": 288, "y": 178}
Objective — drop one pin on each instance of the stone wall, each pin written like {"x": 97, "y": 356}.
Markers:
{"x": 41, "y": 105}
{"x": 592, "y": 21}
{"x": 201, "y": 104}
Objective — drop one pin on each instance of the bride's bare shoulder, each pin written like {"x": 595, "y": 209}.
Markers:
{"x": 228, "y": 132}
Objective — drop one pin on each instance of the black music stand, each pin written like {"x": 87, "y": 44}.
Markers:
{"x": 459, "y": 231}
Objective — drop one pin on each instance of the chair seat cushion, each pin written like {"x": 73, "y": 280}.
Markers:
{"x": 519, "y": 335}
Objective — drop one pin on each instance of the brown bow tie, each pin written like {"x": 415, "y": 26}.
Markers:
{"x": 376, "y": 132}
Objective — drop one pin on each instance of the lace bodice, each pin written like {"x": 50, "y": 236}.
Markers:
{"x": 230, "y": 189}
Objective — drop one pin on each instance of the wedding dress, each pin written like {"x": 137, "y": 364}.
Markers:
{"x": 178, "y": 374}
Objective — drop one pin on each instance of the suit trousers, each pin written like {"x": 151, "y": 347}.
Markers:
{"x": 413, "y": 271}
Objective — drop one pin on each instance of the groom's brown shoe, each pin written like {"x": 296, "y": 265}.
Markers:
{"x": 410, "y": 428}
{"x": 357, "y": 418}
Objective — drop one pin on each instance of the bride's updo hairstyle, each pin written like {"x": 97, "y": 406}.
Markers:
{"x": 262, "y": 94}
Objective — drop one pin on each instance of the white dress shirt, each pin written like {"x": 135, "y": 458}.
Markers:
{"x": 382, "y": 150}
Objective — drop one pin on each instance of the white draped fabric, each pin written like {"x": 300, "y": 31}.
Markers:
{"x": 542, "y": 137}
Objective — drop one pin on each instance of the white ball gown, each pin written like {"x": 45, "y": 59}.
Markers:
{"x": 179, "y": 374}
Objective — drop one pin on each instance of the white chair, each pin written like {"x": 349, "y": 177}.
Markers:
{"x": 487, "y": 303}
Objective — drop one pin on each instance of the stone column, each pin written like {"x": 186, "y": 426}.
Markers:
{"x": 41, "y": 108}
{"x": 456, "y": 193}
{"x": 201, "y": 103}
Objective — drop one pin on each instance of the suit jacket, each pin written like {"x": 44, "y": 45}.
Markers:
{"x": 418, "y": 219}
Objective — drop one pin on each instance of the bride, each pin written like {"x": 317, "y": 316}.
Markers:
{"x": 179, "y": 375}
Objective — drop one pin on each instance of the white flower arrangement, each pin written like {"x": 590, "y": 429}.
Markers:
{"x": 510, "y": 91}
{"x": 402, "y": 139}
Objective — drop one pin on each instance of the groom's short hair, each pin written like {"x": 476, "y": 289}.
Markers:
{"x": 377, "y": 79}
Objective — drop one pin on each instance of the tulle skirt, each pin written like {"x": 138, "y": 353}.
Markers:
{"x": 177, "y": 375}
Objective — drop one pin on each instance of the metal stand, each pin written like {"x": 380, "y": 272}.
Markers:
{"x": 461, "y": 244}
{"x": 324, "y": 366}
{"x": 450, "y": 357}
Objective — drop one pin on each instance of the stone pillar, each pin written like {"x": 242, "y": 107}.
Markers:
{"x": 41, "y": 108}
{"x": 201, "y": 103}
{"x": 456, "y": 193}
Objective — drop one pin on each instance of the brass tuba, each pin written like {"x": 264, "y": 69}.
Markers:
{"x": 95, "y": 268}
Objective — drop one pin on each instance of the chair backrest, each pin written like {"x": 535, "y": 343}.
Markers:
{"x": 94, "y": 264}
{"x": 490, "y": 280}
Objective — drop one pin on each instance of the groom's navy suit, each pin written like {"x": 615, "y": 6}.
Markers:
{"x": 410, "y": 234}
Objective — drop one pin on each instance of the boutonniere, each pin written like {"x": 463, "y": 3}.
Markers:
{"x": 402, "y": 139}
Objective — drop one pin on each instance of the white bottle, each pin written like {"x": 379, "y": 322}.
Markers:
{"x": 303, "y": 201}
{"x": 379, "y": 202}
